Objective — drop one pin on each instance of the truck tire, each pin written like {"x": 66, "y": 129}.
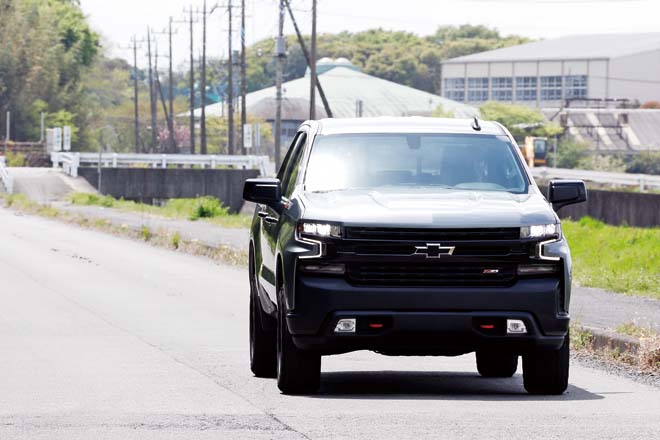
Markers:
{"x": 493, "y": 364}
{"x": 546, "y": 372}
{"x": 263, "y": 355}
{"x": 298, "y": 371}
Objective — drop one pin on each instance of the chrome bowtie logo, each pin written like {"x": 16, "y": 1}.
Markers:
{"x": 433, "y": 250}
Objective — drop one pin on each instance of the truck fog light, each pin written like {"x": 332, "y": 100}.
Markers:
{"x": 536, "y": 269}
{"x": 515, "y": 326}
{"x": 345, "y": 326}
{"x": 332, "y": 269}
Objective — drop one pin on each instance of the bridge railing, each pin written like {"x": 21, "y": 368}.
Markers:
{"x": 5, "y": 176}
{"x": 70, "y": 162}
{"x": 644, "y": 181}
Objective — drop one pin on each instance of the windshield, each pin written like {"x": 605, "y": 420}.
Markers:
{"x": 367, "y": 161}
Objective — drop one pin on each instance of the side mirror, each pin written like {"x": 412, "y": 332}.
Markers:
{"x": 566, "y": 192}
{"x": 264, "y": 191}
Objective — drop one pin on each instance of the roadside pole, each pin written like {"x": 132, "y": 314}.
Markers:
{"x": 280, "y": 54}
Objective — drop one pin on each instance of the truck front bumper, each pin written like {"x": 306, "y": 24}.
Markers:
{"x": 425, "y": 320}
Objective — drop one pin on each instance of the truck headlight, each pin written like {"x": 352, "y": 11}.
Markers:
{"x": 541, "y": 231}
{"x": 318, "y": 230}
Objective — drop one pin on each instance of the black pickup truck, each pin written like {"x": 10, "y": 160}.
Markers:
{"x": 408, "y": 236}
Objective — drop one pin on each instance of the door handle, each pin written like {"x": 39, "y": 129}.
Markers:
{"x": 262, "y": 214}
{"x": 271, "y": 220}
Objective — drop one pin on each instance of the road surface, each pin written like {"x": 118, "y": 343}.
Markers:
{"x": 106, "y": 338}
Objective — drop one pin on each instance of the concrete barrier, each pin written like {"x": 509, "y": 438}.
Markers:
{"x": 618, "y": 208}
{"x": 147, "y": 184}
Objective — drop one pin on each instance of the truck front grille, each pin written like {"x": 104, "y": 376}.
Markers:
{"x": 432, "y": 274}
{"x": 430, "y": 234}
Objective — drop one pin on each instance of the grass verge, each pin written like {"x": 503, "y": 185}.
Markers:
{"x": 168, "y": 239}
{"x": 616, "y": 258}
{"x": 201, "y": 208}
{"x": 639, "y": 348}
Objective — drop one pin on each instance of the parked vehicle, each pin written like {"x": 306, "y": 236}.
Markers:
{"x": 409, "y": 236}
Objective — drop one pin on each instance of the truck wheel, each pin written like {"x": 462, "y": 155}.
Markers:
{"x": 490, "y": 364}
{"x": 263, "y": 355}
{"x": 298, "y": 371}
{"x": 546, "y": 372}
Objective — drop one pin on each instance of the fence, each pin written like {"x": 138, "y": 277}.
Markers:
{"x": 644, "y": 181}
{"x": 5, "y": 176}
{"x": 70, "y": 162}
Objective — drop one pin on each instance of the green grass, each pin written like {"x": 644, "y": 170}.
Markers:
{"x": 631, "y": 329}
{"x": 616, "y": 258}
{"x": 206, "y": 208}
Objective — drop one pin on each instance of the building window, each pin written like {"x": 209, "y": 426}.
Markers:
{"x": 576, "y": 86}
{"x": 455, "y": 89}
{"x": 502, "y": 89}
{"x": 477, "y": 89}
{"x": 551, "y": 88}
{"x": 526, "y": 88}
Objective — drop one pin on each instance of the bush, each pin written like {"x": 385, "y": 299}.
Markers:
{"x": 568, "y": 154}
{"x": 15, "y": 159}
{"x": 644, "y": 163}
{"x": 208, "y": 207}
{"x": 601, "y": 162}
{"x": 92, "y": 199}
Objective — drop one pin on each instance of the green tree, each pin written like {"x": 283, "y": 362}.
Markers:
{"x": 45, "y": 48}
{"x": 519, "y": 119}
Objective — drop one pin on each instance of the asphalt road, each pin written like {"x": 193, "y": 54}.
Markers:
{"x": 105, "y": 338}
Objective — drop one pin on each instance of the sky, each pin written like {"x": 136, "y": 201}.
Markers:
{"x": 119, "y": 20}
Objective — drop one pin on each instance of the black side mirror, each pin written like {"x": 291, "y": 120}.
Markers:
{"x": 264, "y": 191}
{"x": 566, "y": 192}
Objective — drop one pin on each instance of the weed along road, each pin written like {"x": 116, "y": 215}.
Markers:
{"x": 103, "y": 337}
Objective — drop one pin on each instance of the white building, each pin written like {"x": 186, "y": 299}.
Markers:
{"x": 546, "y": 73}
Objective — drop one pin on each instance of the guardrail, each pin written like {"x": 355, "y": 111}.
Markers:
{"x": 5, "y": 177}
{"x": 644, "y": 181}
{"x": 70, "y": 162}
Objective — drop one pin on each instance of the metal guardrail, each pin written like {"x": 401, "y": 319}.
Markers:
{"x": 5, "y": 177}
{"x": 70, "y": 162}
{"x": 644, "y": 181}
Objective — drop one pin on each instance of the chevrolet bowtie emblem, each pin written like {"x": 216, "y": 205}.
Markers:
{"x": 433, "y": 250}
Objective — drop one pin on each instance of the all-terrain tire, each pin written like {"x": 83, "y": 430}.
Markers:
{"x": 298, "y": 371}
{"x": 546, "y": 371}
{"x": 263, "y": 344}
{"x": 493, "y": 364}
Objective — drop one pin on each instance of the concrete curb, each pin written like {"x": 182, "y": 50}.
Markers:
{"x": 609, "y": 340}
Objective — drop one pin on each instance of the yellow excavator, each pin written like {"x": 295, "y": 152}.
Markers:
{"x": 535, "y": 150}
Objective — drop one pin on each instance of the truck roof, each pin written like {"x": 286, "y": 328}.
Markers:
{"x": 407, "y": 124}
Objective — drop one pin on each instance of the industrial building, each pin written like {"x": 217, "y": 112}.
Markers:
{"x": 350, "y": 93}
{"x": 548, "y": 72}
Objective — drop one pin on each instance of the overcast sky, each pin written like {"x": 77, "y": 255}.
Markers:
{"x": 118, "y": 20}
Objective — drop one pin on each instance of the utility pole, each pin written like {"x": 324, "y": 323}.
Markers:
{"x": 243, "y": 79}
{"x": 8, "y": 128}
{"x": 170, "y": 120}
{"x": 230, "y": 88}
{"x": 191, "y": 20}
{"x": 134, "y": 46}
{"x": 169, "y": 114}
{"x": 152, "y": 94}
{"x": 312, "y": 66}
{"x": 301, "y": 41}
{"x": 280, "y": 53}
{"x": 136, "y": 115}
{"x": 203, "y": 84}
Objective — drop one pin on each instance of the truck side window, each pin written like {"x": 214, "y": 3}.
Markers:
{"x": 293, "y": 167}
{"x": 287, "y": 157}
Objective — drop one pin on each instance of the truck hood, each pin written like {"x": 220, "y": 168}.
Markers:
{"x": 429, "y": 207}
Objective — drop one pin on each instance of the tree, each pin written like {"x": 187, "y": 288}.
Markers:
{"x": 45, "y": 48}
{"x": 397, "y": 56}
{"x": 519, "y": 119}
